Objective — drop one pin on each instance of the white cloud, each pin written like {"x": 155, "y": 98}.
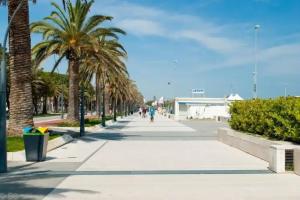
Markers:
{"x": 282, "y": 59}
{"x": 223, "y": 39}
{"x": 216, "y": 43}
{"x": 123, "y": 9}
{"x": 141, "y": 27}
{"x": 140, "y": 20}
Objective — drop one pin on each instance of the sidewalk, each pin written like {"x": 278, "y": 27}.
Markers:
{"x": 136, "y": 159}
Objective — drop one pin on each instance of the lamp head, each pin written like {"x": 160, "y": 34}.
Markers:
{"x": 257, "y": 26}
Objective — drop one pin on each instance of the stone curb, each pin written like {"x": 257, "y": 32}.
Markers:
{"x": 53, "y": 144}
{"x": 77, "y": 129}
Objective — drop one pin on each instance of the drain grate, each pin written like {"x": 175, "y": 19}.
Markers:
{"x": 289, "y": 160}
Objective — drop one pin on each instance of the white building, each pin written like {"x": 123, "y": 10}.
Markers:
{"x": 203, "y": 108}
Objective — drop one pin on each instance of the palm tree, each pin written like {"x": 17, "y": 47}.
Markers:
{"x": 39, "y": 86}
{"x": 69, "y": 33}
{"x": 21, "y": 107}
{"x": 20, "y": 90}
{"x": 105, "y": 62}
{"x": 118, "y": 90}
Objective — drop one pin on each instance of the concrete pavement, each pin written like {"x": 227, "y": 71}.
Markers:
{"x": 136, "y": 159}
{"x": 172, "y": 169}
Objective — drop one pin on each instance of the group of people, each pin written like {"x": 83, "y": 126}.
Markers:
{"x": 143, "y": 112}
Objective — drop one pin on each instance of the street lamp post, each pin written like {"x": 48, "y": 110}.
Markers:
{"x": 285, "y": 92}
{"x": 3, "y": 83}
{"x": 256, "y": 30}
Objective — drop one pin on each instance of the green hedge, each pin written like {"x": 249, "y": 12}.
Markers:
{"x": 275, "y": 118}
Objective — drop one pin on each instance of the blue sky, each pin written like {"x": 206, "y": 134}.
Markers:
{"x": 207, "y": 44}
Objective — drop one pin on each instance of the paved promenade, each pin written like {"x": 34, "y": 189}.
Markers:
{"x": 139, "y": 160}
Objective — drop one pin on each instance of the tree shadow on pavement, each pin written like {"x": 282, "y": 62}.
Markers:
{"x": 33, "y": 185}
{"x": 111, "y": 136}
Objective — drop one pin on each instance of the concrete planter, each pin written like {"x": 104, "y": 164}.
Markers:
{"x": 297, "y": 161}
{"x": 256, "y": 146}
{"x": 273, "y": 152}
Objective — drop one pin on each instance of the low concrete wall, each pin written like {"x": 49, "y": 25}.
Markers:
{"x": 297, "y": 161}
{"x": 272, "y": 152}
{"x": 256, "y": 146}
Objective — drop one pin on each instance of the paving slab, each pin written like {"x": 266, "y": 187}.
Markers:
{"x": 171, "y": 155}
{"x": 160, "y": 124}
{"x": 77, "y": 151}
{"x": 179, "y": 187}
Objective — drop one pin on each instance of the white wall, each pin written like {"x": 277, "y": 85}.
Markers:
{"x": 207, "y": 112}
{"x": 201, "y": 108}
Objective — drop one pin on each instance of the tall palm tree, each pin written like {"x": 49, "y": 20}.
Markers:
{"x": 68, "y": 33}
{"x": 21, "y": 107}
{"x": 20, "y": 91}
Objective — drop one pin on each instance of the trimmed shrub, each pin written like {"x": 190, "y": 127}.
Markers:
{"x": 275, "y": 118}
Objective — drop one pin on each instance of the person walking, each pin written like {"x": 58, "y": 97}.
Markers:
{"x": 152, "y": 113}
{"x": 144, "y": 112}
{"x": 140, "y": 111}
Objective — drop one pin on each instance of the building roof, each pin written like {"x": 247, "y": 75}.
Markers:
{"x": 234, "y": 97}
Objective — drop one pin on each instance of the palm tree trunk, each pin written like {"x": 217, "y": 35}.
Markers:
{"x": 124, "y": 109}
{"x": 98, "y": 96}
{"x": 35, "y": 105}
{"x": 45, "y": 105}
{"x": 115, "y": 108}
{"x": 103, "y": 106}
{"x": 55, "y": 102}
{"x": 73, "y": 109}
{"x": 21, "y": 105}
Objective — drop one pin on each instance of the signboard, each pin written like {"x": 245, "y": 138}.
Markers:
{"x": 198, "y": 91}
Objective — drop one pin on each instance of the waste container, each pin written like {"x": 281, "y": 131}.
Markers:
{"x": 35, "y": 144}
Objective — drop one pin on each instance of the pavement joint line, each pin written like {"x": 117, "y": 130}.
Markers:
{"x": 98, "y": 149}
{"x": 149, "y": 172}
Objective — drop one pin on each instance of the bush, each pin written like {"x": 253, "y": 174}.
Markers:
{"x": 275, "y": 118}
{"x": 91, "y": 121}
{"x": 88, "y": 122}
{"x": 68, "y": 123}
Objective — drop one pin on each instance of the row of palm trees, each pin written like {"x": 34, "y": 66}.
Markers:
{"x": 93, "y": 52}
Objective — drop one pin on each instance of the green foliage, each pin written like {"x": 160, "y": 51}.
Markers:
{"x": 275, "y": 118}
{"x": 92, "y": 121}
{"x": 69, "y": 124}
{"x": 15, "y": 144}
{"x": 88, "y": 122}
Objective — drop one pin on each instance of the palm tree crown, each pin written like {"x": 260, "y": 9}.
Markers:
{"x": 70, "y": 33}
